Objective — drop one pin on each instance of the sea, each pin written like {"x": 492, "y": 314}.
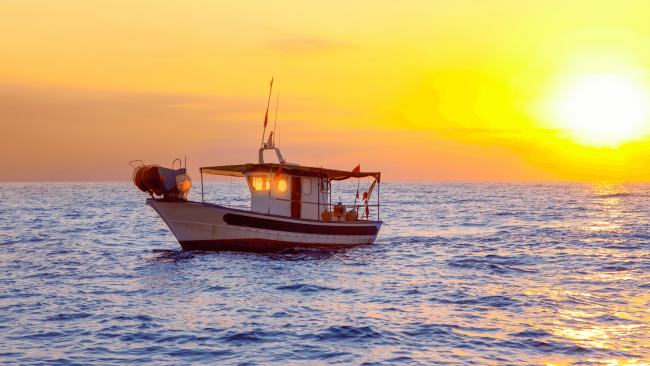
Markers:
{"x": 460, "y": 274}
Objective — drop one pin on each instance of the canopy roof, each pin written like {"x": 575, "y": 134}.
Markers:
{"x": 240, "y": 170}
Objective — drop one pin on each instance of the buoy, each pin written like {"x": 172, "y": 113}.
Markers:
{"x": 326, "y": 216}
{"x": 351, "y": 215}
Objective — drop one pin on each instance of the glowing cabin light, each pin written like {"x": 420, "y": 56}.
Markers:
{"x": 606, "y": 109}
{"x": 282, "y": 184}
{"x": 184, "y": 185}
{"x": 259, "y": 182}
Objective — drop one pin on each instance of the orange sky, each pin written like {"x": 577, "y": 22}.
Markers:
{"x": 427, "y": 90}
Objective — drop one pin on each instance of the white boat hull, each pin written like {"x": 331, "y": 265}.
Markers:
{"x": 201, "y": 226}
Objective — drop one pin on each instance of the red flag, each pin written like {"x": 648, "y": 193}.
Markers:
{"x": 277, "y": 173}
{"x": 266, "y": 116}
{"x": 357, "y": 169}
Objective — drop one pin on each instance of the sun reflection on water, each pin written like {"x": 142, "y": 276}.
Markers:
{"x": 608, "y": 197}
{"x": 599, "y": 336}
{"x": 610, "y": 362}
{"x": 586, "y": 313}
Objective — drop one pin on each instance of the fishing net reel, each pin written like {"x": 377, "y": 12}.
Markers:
{"x": 161, "y": 182}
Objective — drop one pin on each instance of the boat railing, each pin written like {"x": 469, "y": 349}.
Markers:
{"x": 325, "y": 204}
{"x": 330, "y": 205}
{"x": 310, "y": 203}
{"x": 357, "y": 206}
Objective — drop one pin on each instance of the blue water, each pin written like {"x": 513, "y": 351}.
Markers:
{"x": 462, "y": 273}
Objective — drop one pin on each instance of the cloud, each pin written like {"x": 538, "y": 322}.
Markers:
{"x": 549, "y": 150}
{"x": 67, "y": 134}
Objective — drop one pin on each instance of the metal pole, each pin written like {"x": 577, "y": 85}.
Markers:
{"x": 378, "y": 198}
{"x": 275, "y": 131}
{"x": 329, "y": 190}
{"x": 266, "y": 117}
{"x": 202, "y": 201}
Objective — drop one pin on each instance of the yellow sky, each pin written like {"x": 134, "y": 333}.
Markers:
{"x": 420, "y": 90}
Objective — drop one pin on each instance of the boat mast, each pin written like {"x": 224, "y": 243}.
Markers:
{"x": 275, "y": 131}
{"x": 266, "y": 116}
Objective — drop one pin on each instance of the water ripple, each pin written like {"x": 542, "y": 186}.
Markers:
{"x": 462, "y": 273}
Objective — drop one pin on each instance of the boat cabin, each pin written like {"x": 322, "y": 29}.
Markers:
{"x": 291, "y": 190}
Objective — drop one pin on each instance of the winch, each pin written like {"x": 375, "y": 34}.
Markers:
{"x": 162, "y": 182}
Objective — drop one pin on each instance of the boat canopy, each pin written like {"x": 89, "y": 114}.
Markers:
{"x": 329, "y": 174}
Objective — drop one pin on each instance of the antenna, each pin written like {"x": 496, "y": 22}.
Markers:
{"x": 276, "y": 116}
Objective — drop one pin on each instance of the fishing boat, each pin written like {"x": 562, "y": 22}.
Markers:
{"x": 290, "y": 205}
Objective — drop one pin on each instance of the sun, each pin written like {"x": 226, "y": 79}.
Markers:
{"x": 606, "y": 109}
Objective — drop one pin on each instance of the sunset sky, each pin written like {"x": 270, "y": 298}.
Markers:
{"x": 419, "y": 90}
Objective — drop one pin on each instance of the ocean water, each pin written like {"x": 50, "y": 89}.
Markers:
{"x": 461, "y": 274}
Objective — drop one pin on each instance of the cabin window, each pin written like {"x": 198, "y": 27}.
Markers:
{"x": 259, "y": 182}
{"x": 283, "y": 185}
{"x": 306, "y": 186}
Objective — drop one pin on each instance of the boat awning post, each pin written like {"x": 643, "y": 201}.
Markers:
{"x": 202, "y": 201}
